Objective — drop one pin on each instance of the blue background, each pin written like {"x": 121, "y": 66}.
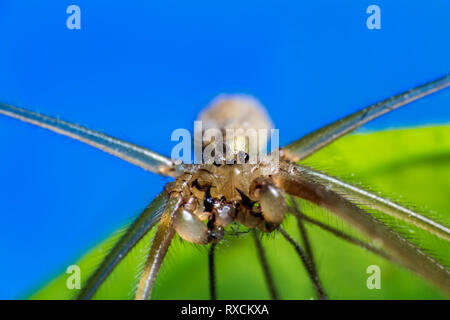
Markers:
{"x": 140, "y": 69}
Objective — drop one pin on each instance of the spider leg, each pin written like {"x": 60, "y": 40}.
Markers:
{"x": 134, "y": 154}
{"x": 212, "y": 271}
{"x": 316, "y": 140}
{"x": 265, "y": 265}
{"x": 158, "y": 250}
{"x": 342, "y": 235}
{"x": 360, "y": 195}
{"x": 294, "y": 182}
{"x": 303, "y": 233}
{"x": 307, "y": 263}
{"x": 148, "y": 218}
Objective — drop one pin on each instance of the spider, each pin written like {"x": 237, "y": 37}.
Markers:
{"x": 205, "y": 198}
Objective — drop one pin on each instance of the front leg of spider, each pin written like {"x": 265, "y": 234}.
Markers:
{"x": 190, "y": 226}
{"x": 272, "y": 203}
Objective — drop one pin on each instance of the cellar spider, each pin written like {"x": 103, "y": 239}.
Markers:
{"x": 204, "y": 199}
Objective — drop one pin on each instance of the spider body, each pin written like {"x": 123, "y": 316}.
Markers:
{"x": 227, "y": 190}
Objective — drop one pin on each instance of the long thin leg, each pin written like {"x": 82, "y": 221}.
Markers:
{"x": 304, "y": 234}
{"x": 316, "y": 140}
{"x": 311, "y": 272}
{"x": 365, "y": 197}
{"x": 212, "y": 271}
{"x": 135, "y": 232}
{"x": 134, "y": 154}
{"x": 404, "y": 252}
{"x": 343, "y": 235}
{"x": 265, "y": 265}
{"x": 160, "y": 245}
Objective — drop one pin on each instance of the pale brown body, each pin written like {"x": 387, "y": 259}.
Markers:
{"x": 221, "y": 193}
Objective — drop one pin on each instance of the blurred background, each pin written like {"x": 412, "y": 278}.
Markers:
{"x": 137, "y": 70}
